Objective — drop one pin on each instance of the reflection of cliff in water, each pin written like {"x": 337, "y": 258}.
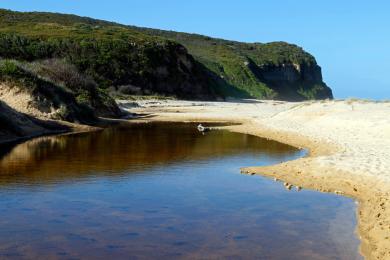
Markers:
{"x": 126, "y": 147}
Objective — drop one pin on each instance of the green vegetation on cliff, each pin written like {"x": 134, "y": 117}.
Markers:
{"x": 147, "y": 61}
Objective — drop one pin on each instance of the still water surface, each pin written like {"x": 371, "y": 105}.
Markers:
{"x": 162, "y": 191}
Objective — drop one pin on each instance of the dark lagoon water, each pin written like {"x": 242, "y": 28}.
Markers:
{"x": 162, "y": 191}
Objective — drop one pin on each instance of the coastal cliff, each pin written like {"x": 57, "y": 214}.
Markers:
{"x": 70, "y": 68}
{"x": 276, "y": 70}
{"x": 149, "y": 61}
{"x": 294, "y": 82}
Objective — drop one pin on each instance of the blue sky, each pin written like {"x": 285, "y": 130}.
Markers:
{"x": 350, "y": 39}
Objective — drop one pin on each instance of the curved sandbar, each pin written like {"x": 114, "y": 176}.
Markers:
{"x": 349, "y": 144}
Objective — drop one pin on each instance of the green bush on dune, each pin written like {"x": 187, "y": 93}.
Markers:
{"x": 47, "y": 95}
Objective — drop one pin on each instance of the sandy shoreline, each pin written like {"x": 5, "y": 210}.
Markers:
{"x": 349, "y": 144}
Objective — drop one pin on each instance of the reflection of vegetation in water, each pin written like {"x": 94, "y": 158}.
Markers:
{"x": 130, "y": 147}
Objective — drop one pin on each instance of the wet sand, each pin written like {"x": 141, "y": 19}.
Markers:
{"x": 349, "y": 144}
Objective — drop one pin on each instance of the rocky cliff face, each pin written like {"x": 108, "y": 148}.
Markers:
{"x": 291, "y": 73}
{"x": 173, "y": 72}
{"x": 293, "y": 81}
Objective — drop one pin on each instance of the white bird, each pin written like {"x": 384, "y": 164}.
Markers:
{"x": 201, "y": 128}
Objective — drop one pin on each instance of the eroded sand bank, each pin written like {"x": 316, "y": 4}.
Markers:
{"x": 349, "y": 144}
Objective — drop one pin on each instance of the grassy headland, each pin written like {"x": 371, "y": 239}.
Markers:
{"x": 155, "y": 61}
{"x": 71, "y": 68}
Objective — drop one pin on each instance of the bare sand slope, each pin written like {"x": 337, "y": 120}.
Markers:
{"x": 349, "y": 144}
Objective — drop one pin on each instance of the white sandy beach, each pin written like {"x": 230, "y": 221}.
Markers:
{"x": 349, "y": 144}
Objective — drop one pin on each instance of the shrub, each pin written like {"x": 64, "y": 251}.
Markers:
{"x": 63, "y": 73}
{"x": 8, "y": 67}
{"x": 62, "y": 113}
